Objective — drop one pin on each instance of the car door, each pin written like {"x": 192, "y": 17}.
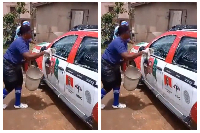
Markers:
{"x": 181, "y": 75}
{"x": 63, "y": 48}
{"x": 84, "y": 74}
{"x": 152, "y": 68}
{"x": 58, "y": 62}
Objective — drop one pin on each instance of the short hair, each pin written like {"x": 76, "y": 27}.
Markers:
{"x": 122, "y": 29}
{"x": 24, "y": 29}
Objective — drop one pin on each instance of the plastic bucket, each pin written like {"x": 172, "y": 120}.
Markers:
{"x": 33, "y": 77}
{"x": 131, "y": 78}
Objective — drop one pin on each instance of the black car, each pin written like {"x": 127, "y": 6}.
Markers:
{"x": 183, "y": 27}
{"x": 85, "y": 27}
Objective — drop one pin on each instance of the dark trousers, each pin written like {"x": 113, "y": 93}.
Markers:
{"x": 12, "y": 75}
{"x": 110, "y": 75}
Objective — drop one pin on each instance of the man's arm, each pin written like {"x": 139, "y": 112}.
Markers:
{"x": 23, "y": 49}
{"x": 128, "y": 56}
{"x": 29, "y": 56}
{"x": 122, "y": 50}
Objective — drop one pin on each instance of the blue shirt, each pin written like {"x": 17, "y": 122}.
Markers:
{"x": 114, "y": 50}
{"x": 16, "y": 50}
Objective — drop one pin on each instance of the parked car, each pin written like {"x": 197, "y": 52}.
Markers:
{"x": 72, "y": 72}
{"x": 182, "y": 27}
{"x": 171, "y": 72}
{"x": 85, "y": 28}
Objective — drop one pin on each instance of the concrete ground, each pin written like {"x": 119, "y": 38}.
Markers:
{"x": 144, "y": 112}
{"x": 46, "y": 112}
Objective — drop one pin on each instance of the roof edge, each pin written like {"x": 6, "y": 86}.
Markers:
{"x": 41, "y": 4}
{"x": 139, "y": 4}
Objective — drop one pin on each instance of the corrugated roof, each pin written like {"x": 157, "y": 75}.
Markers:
{"x": 138, "y": 4}
{"x": 41, "y": 4}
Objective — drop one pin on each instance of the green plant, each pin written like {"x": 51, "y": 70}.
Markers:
{"x": 10, "y": 23}
{"x": 119, "y": 9}
{"x": 108, "y": 24}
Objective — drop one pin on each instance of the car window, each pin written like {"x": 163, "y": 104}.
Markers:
{"x": 64, "y": 45}
{"x": 87, "y": 55}
{"x": 162, "y": 45}
{"x": 186, "y": 53}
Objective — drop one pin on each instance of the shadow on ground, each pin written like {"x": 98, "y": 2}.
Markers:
{"x": 33, "y": 101}
{"x": 131, "y": 102}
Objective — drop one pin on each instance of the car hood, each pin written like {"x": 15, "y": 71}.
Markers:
{"x": 37, "y": 47}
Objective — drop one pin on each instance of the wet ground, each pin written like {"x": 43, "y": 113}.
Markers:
{"x": 144, "y": 112}
{"x": 46, "y": 112}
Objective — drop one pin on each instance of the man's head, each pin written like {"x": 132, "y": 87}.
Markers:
{"x": 25, "y": 32}
{"x": 124, "y": 23}
{"x": 124, "y": 32}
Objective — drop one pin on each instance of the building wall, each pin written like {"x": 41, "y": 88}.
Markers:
{"x": 54, "y": 19}
{"x": 7, "y": 5}
{"x": 105, "y": 8}
{"x": 152, "y": 19}
{"x": 125, "y": 17}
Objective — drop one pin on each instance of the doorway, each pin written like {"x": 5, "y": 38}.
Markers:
{"x": 77, "y": 17}
{"x": 177, "y": 17}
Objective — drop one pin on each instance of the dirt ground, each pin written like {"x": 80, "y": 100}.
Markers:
{"x": 46, "y": 112}
{"x": 144, "y": 112}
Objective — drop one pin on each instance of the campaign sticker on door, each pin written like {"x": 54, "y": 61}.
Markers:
{"x": 168, "y": 83}
{"x": 49, "y": 66}
{"x": 69, "y": 84}
{"x": 56, "y": 68}
{"x": 154, "y": 69}
{"x": 177, "y": 91}
{"x": 79, "y": 94}
{"x": 150, "y": 66}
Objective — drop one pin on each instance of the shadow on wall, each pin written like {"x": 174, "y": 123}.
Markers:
{"x": 48, "y": 37}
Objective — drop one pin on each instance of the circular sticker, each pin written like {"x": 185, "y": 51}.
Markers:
{"x": 186, "y": 97}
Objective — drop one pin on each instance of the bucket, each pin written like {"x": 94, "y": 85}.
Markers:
{"x": 131, "y": 78}
{"x": 33, "y": 77}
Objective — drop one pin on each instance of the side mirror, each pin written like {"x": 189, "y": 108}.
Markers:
{"x": 43, "y": 48}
